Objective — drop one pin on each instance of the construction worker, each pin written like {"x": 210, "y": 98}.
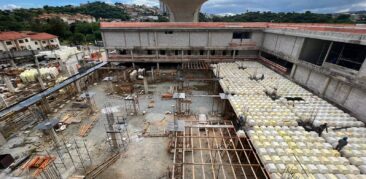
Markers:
{"x": 341, "y": 143}
{"x": 321, "y": 128}
{"x": 241, "y": 121}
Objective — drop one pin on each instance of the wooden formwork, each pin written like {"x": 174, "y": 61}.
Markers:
{"x": 213, "y": 150}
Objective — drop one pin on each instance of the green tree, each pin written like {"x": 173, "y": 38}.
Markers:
{"x": 77, "y": 38}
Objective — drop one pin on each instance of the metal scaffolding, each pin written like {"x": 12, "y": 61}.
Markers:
{"x": 213, "y": 151}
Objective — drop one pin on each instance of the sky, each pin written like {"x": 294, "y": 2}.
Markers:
{"x": 220, "y": 6}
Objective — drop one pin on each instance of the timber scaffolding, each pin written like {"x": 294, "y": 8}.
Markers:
{"x": 214, "y": 150}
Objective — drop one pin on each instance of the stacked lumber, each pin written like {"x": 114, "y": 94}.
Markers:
{"x": 85, "y": 128}
{"x": 39, "y": 163}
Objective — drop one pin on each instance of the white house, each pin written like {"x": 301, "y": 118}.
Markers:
{"x": 15, "y": 41}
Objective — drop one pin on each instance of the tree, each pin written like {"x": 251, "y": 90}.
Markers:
{"x": 77, "y": 38}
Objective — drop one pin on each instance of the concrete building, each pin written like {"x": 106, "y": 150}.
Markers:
{"x": 326, "y": 58}
{"x": 183, "y": 11}
{"x": 16, "y": 41}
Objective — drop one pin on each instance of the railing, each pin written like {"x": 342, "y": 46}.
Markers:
{"x": 176, "y": 58}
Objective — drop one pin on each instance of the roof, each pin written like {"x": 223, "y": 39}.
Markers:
{"x": 11, "y": 35}
{"x": 41, "y": 36}
{"x": 347, "y": 28}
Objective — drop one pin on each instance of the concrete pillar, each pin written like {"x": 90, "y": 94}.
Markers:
{"x": 124, "y": 75}
{"x": 76, "y": 83}
{"x": 131, "y": 52}
{"x": 327, "y": 54}
{"x": 2, "y": 100}
{"x": 133, "y": 65}
{"x": 362, "y": 72}
{"x": 45, "y": 105}
{"x": 146, "y": 88}
{"x": 234, "y": 54}
{"x": 158, "y": 66}
{"x": 39, "y": 73}
{"x": 326, "y": 86}
{"x": 12, "y": 63}
{"x": 183, "y": 11}
{"x": 9, "y": 85}
{"x": 152, "y": 73}
{"x": 293, "y": 71}
{"x": 2, "y": 139}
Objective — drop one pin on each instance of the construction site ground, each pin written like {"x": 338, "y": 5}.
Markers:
{"x": 145, "y": 157}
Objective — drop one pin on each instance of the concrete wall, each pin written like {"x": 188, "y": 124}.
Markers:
{"x": 346, "y": 95}
{"x": 177, "y": 39}
{"x": 287, "y": 47}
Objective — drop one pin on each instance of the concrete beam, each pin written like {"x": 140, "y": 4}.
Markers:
{"x": 184, "y": 10}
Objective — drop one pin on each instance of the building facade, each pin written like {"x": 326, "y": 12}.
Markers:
{"x": 325, "y": 58}
{"x": 17, "y": 41}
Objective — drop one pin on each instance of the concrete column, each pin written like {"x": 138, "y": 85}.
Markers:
{"x": 362, "y": 72}
{"x": 76, "y": 83}
{"x": 326, "y": 86}
{"x": 12, "y": 63}
{"x": 326, "y": 56}
{"x": 158, "y": 66}
{"x": 133, "y": 65}
{"x": 131, "y": 54}
{"x": 152, "y": 73}
{"x": 45, "y": 105}
{"x": 2, "y": 139}
{"x": 39, "y": 73}
{"x": 293, "y": 71}
{"x": 146, "y": 88}
{"x": 234, "y": 54}
{"x": 124, "y": 75}
{"x": 2, "y": 100}
{"x": 9, "y": 85}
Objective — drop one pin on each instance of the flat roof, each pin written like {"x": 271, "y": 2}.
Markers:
{"x": 345, "y": 28}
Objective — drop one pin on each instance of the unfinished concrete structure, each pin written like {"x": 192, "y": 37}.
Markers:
{"x": 326, "y": 58}
{"x": 198, "y": 100}
{"x": 183, "y": 10}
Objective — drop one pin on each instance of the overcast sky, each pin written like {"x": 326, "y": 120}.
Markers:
{"x": 220, "y": 6}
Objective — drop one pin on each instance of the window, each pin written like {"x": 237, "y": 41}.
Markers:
{"x": 202, "y": 52}
{"x": 168, "y": 32}
{"x": 189, "y": 52}
{"x": 212, "y": 52}
{"x": 43, "y": 42}
{"x": 314, "y": 51}
{"x": 241, "y": 35}
{"x": 149, "y": 52}
{"x": 162, "y": 52}
{"x": 26, "y": 40}
{"x": 36, "y": 43}
{"x": 8, "y": 43}
{"x": 176, "y": 52}
{"x": 51, "y": 40}
{"x": 347, "y": 55}
{"x": 224, "y": 53}
{"x": 20, "y": 41}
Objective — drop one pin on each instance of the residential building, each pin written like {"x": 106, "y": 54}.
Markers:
{"x": 16, "y": 41}
{"x": 68, "y": 18}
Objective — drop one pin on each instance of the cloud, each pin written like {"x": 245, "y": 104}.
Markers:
{"x": 319, "y": 6}
{"x": 9, "y": 7}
